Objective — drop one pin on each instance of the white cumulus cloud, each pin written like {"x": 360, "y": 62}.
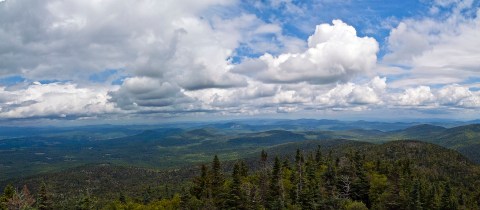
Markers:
{"x": 335, "y": 53}
{"x": 54, "y": 100}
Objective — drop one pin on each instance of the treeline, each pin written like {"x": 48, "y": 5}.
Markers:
{"x": 353, "y": 180}
{"x": 314, "y": 181}
{"x": 317, "y": 181}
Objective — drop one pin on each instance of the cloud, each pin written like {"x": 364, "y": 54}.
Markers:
{"x": 458, "y": 96}
{"x": 450, "y": 96}
{"x": 54, "y": 100}
{"x": 74, "y": 40}
{"x": 335, "y": 53}
{"x": 182, "y": 58}
{"x": 351, "y": 95}
{"x": 419, "y": 96}
{"x": 143, "y": 91}
{"x": 441, "y": 50}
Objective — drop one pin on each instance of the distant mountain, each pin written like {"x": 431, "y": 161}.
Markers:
{"x": 268, "y": 138}
{"x": 465, "y": 139}
{"x": 422, "y": 131}
{"x": 168, "y": 147}
{"x": 459, "y": 136}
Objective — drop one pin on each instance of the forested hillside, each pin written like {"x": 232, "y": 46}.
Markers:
{"x": 396, "y": 175}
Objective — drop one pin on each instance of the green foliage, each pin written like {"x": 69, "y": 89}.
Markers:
{"x": 356, "y": 205}
{"x": 353, "y": 181}
{"x": 44, "y": 198}
{"x": 8, "y": 194}
{"x": 396, "y": 175}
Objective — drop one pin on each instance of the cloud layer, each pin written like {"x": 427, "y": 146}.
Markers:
{"x": 75, "y": 60}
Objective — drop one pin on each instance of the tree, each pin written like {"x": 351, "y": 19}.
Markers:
{"x": 356, "y": 205}
{"x": 361, "y": 187}
{"x": 275, "y": 194}
{"x": 263, "y": 156}
{"x": 318, "y": 156}
{"x": 297, "y": 177}
{"x": 217, "y": 181}
{"x": 122, "y": 198}
{"x": 44, "y": 200}
{"x": 310, "y": 195}
{"x": 262, "y": 193}
{"x": 86, "y": 202}
{"x": 8, "y": 194}
{"x": 201, "y": 185}
{"x": 235, "y": 197}
{"x": 448, "y": 199}
{"x": 22, "y": 200}
{"x": 415, "y": 197}
{"x": 217, "y": 176}
{"x": 243, "y": 169}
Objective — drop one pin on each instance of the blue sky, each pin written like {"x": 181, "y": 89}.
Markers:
{"x": 134, "y": 61}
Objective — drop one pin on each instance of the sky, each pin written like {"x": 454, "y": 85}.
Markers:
{"x": 134, "y": 61}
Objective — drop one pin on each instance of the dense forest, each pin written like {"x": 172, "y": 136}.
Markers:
{"x": 395, "y": 175}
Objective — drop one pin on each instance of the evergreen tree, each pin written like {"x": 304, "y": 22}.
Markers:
{"x": 448, "y": 199}
{"x": 243, "y": 169}
{"x": 275, "y": 194}
{"x": 415, "y": 197}
{"x": 309, "y": 194}
{"x": 44, "y": 200}
{"x": 86, "y": 202}
{"x": 201, "y": 185}
{"x": 361, "y": 187}
{"x": 263, "y": 157}
{"x": 261, "y": 196}
{"x": 217, "y": 181}
{"x": 8, "y": 194}
{"x": 235, "y": 197}
{"x": 297, "y": 178}
{"x": 147, "y": 195}
{"x": 318, "y": 156}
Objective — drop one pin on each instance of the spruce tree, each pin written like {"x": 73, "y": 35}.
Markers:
{"x": 263, "y": 180}
{"x": 44, "y": 201}
{"x": 415, "y": 197}
{"x": 318, "y": 156}
{"x": 275, "y": 194}
{"x": 235, "y": 197}
{"x": 243, "y": 169}
{"x": 217, "y": 181}
{"x": 8, "y": 194}
{"x": 201, "y": 185}
{"x": 448, "y": 199}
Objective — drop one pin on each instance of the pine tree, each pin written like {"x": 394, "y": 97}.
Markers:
{"x": 8, "y": 194}
{"x": 318, "y": 156}
{"x": 235, "y": 197}
{"x": 147, "y": 195}
{"x": 201, "y": 185}
{"x": 243, "y": 169}
{"x": 310, "y": 190}
{"x": 448, "y": 199}
{"x": 217, "y": 181}
{"x": 361, "y": 187}
{"x": 263, "y": 156}
{"x": 297, "y": 178}
{"x": 261, "y": 196}
{"x": 275, "y": 194}
{"x": 44, "y": 201}
{"x": 415, "y": 197}
{"x": 86, "y": 202}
